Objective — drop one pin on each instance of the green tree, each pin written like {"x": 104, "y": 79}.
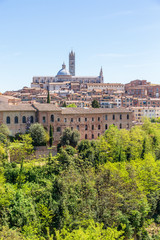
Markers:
{"x": 10, "y": 234}
{"x": 72, "y": 105}
{"x": 64, "y": 104}
{"x": 95, "y": 104}
{"x": 69, "y": 137}
{"x": 21, "y": 148}
{"x": 93, "y": 231}
{"x": 48, "y": 97}
{"x": 38, "y": 134}
{"x": 51, "y": 136}
{"x": 4, "y": 133}
{"x": 5, "y": 130}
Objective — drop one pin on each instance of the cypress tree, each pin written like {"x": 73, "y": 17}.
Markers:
{"x": 48, "y": 97}
{"x": 50, "y": 136}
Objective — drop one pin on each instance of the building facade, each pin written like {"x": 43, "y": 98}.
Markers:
{"x": 90, "y": 122}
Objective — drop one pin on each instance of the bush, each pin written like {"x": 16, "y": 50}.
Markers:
{"x": 38, "y": 134}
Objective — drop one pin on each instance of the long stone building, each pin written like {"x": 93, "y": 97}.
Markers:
{"x": 90, "y": 122}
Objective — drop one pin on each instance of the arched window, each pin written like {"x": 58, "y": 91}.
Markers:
{"x": 99, "y": 127}
{"x": 92, "y": 136}
{"x": 8, "y": 120}
{"x": 58, "y": 129}
{"x": 16, "y": 120}
{"x": 120, "y": 116}
{"x": 31, "y": 119}
{"x": 23, "y": 119}
{"x": 120, "y": 125}
{"x": 52, "y": 118}
{"x": 86, "y": 127}
{"x": 113, "y": 117}
{"x": 127, "y": 116}
{"x": 85, "y": 136}
{"x": 106, "y": 126}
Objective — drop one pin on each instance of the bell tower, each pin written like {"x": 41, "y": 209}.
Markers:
{"x": 72, "y": 63}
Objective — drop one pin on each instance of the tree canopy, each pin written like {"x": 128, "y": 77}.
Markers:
{"x": 72, "y": 105}
{"x": 95, "y": 104}
{"x": 38, "y": 134}
{"x": 108, "y": 188}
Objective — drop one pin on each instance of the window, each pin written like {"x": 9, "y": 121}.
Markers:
{"x": 86, "y": 127}
{"x": 127, "y": 125}
{"x": 85, "y": 136}
{"x": 98, "y": 134}
{"x": 72, "y": 128}
{"x": 52, "y": 118}
{"x": 79, "y": 119}
{"x": 44, "y": 119}
{"x": 113, "y": 117}
{"x": 120, "y": 125}
{"x": 65, "y": 120}
{"x": 71, "y": 119}
{"x": 120, "y": 116}
{"x": 78, "y": 127}
{"x": 31, "y": 119}
{"x": 92, "y": 127}
{"x": 106, "y": 126}
{"x": 105, "y": 117}
{"x": 127, "y": 116}
{"x": 99, "y": 118}
{"x": 99, "y": 127}
{"x": 58, "y": 119}
{"x": 92, "y": 119}
{"x": 85, "y": 119}
{"x": 23, "y": 119}
{"x": 92, "y": 136}
{"x": 58, "y": 129}
{"x": 8, "y": 120}
{"x": 16, "y": 120}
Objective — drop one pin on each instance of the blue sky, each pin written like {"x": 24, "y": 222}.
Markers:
{"x": 122, "y": 36}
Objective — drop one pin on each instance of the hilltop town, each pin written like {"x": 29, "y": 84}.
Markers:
{"x": 120, "y": 104}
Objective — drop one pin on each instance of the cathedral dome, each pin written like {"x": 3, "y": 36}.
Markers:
{"x": 63, "y": 71}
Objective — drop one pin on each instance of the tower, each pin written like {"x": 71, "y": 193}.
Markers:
{"x": 72, "y": 63}
{"x": 101, "y": 75}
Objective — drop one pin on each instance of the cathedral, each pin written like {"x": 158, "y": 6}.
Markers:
{"x": 64, "y": 75}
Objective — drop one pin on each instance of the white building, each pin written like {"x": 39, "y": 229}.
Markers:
{"x": 140, "y": 112}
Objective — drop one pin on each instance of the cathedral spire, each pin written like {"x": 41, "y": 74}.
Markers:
{"x": 101, "y": 73}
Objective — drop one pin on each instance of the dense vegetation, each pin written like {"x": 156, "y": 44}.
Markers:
{"x": 108, "y": 188}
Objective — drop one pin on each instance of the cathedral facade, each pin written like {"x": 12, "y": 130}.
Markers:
{"x": 64, "y": 75}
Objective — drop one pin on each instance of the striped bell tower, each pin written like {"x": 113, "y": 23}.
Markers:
{"x": 72, "y": 63}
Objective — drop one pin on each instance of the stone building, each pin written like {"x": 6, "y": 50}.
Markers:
{"x": 90, "y": 122}
{"x": 16, "y": 117}
{"x": 142, "y": 89}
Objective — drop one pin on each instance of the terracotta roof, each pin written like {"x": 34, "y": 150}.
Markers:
{"x": 93, "y": 110}
{"x": 19, "y": 107}
{"x": 48, "y": 107}
{"x": 105, "y": 84}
